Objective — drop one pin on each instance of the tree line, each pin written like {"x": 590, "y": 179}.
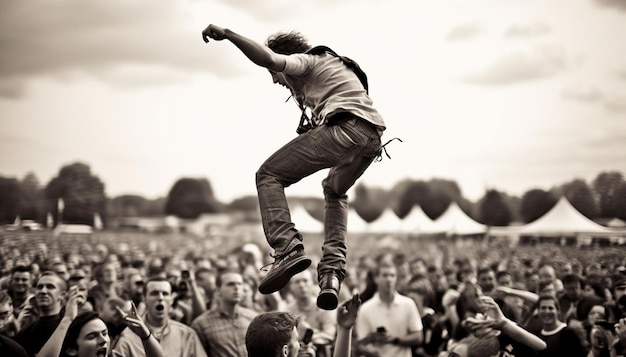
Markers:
{"x": 83, "y": 194}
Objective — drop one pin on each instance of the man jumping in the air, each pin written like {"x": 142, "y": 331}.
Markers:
{"x": 344, "y": 136}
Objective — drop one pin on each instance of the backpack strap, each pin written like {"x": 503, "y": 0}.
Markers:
{"x": 350, "y": 63}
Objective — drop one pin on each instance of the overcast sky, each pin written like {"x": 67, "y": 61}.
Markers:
{"x": 504, "y": 94}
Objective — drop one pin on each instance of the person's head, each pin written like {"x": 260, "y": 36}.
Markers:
{"x": 572, "y": 285}
{"x": 619, "y": 288}
{"x": 6, "y": 310}
{"x": 21, "y": 280}
{"x": 504, "y": 278}
{"x": 486, "y": 278}
{"x": 230, "y": 287}
{"x": 273, "y": 334}
{"x": 50, "y": 293}
{"x": 288, "y": 43}
{"x": 532, "y": 281}
{"x": 546, "y": 288}
{"x": 87, "y": 336}
{"x": 134, "y": 283}
{"x": 83, "y": 289}
{"x": 546, "y": 274}
{"x": 301, "y": 285}
{"x": 597, "y": 312}
{"x": 386, "y": 277}
{"x": 109, "y": 313}
{"x": 549, "y": 308}
{"x": 157, "y": 294}
{"x": 105, "y": 273}
{"x": 60, "y": 268}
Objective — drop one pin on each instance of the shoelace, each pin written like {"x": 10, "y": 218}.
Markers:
{"x": 383, "y": 148}
{"x": 276, "y": 257}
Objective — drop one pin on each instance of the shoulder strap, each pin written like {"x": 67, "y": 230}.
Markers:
{"x": 350, "y": 63}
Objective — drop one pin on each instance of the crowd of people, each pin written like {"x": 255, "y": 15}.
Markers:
{"x": 106, "y": 296}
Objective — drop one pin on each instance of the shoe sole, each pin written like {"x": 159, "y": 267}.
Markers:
{"x": 327, "y": 299}
{"x": 274, "y": 283}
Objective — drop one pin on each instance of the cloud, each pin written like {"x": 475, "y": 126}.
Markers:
{"x": 43, "y": 38}
{"x": 544, "y": 61}
{"x": 617, "y": 4}
{"x": 534, "y": 29}
{"x": 464, "y": 32}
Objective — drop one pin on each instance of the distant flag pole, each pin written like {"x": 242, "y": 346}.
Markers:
{"x": 97, "y": 222}
{"x": 49, "y": 220}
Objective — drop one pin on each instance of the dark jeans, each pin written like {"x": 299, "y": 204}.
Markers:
{"x": 347, "y": 148}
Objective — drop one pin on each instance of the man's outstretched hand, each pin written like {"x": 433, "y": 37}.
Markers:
{"x": 215, "y": 32}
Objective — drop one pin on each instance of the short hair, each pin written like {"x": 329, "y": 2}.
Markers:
{"x": 154, "y": 279}
{"x": 383, "y": 263}
{"x": 547, "y": 297}
{"x": 484, "y": 270}
{"x": 269, "y": 332}
{"x": 62, "y": 282}
{"x": 502, "y": 273}
{"x": 288, "y": 43}
{"x": 572, "y": 279}
{"x": 20, "y": 269}
{"x": 221, "y": 273}
{"x": 73, "y": 330}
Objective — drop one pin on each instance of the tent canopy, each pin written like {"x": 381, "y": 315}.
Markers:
{"x": 455, "y": 221}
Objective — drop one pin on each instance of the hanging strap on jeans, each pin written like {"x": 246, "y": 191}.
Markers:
{"x": 383, "y": 148}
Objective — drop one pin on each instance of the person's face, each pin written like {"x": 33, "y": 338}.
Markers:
{"x": 61, "y": 270}
{"x": 158, "y": 299}
{"x": 386, "y": 279}
{"x": 487, "y": 281}
{"x": 301, "y": 285}
{"x": 532, "y": 282}
{"x": 596, "y": 313}
{"x": 546, "y": 274}
{"x": 109, "y": 273}
{"x": 20, "y": 281}
{"x": 505, "y": 280}
{"x": 232, "y": 287}
{"x": 93, "y": 340}
{"x": 548, "y": 313}
{"x": 82, "y": 287}
{"x": 48, "y": 291}
{"x": 620, "y": 291}
{"x": 135, "y": 284}
{"x": 572, "y": 290}
{"x": 279, "y": 78}
{"x": 6, "y": 311}
{"x": 549, "y": 290}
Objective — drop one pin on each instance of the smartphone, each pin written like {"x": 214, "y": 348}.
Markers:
{"x": 381, "y": 329}
{"x": 308, "y": 335}
{"x": 605, "y": 325}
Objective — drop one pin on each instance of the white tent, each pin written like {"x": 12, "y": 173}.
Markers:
{"x": 418, "y": 222}
{"x": 387, "y": 222}
{"x": 356, "y": 224}
{"x": 563, "y": 219}
{"x": 456, "y": 222}
{"x": 304, "y": 221}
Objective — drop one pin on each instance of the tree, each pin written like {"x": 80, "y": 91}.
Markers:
{"x": 190, "y": 197}
{"x": 10, "y": 199}
{"x": 620, "y": 201}
{"x": 135, "y": 206}
{"x": 32, "y": 199}
{"x": 408, "y": 194}
{"x": 494, "y": 211}
{"x": 605, "y": 185}
{"x": 82, "y": 193}
{"x": 370, "y": 203}
{"x": 580, "y": 195}
{"x": 536, "y": 203}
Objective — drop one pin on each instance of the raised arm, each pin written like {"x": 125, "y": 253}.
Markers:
{"x": 346, "y": 315}
{"x": 150, "y": 344}
{"x": 257, "y": 53}
{"x": 52, "y": 347}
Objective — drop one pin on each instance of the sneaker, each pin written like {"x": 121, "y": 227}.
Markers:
{"x": 286, "y": 265}
{"x": 328, "y": 299}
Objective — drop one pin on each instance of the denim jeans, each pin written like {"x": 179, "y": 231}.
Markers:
{"x": 347, "y": 148}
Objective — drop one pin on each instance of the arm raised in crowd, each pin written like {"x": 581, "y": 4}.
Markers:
{"x": 346, "y": 316}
